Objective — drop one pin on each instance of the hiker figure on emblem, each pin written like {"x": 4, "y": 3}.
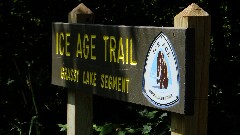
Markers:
{"x": 162, "y": 71}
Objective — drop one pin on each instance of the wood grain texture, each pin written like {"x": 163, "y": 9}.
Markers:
{"x": 80, "y": 103}
{"x": 195, "y": 17}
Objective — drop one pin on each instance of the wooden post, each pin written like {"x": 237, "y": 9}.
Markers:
{"x": 80, "y": 105}
{"x": 195, "y": 17}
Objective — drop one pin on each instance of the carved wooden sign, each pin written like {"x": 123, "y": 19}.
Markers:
{"x": 150, "y": 66}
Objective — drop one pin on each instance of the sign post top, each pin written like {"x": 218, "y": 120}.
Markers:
{"x": 86, "y": 15}
{"x": 193, "y": 10}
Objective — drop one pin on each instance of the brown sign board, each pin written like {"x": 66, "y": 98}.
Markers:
{"x": 150, "y": 66}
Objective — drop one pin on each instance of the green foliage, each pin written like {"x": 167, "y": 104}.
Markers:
{"x": 147, "y": 114}
{"x": 63, "y": 127}
{"x": 150, "y": 122}
{"x": 17, "y": 126}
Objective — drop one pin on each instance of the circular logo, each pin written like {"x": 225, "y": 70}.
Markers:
{"x": 161, "y": 78}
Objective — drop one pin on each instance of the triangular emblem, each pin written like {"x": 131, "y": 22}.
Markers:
{"x": 161, "y": 74}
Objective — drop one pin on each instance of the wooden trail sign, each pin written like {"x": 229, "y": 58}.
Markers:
{"x": 151, "y": 66}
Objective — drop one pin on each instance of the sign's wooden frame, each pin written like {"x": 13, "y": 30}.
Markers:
{"x": 70, "y": 64}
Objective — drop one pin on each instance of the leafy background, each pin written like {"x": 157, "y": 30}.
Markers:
{"x": 29, "y": 104}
